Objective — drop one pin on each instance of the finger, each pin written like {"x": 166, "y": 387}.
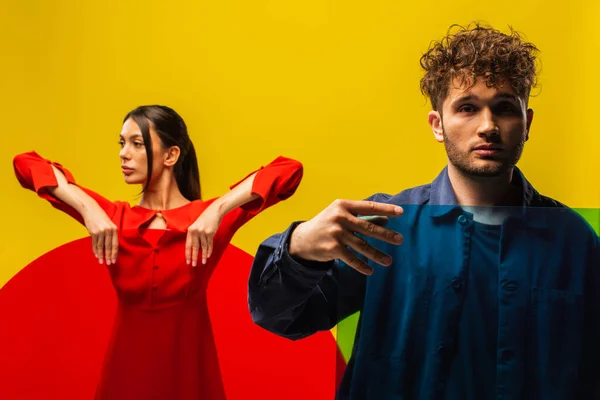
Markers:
{"x": 369, "y": 228}
{"x": 367, "y": 207}
{"x": 354, "y": 262}
{"x": 94, "y": 244}
{"x": 363, "y": 247}
{"x": 188, "y": 248}
{"x": 100, "y": 247}
{"x": 107, "y": 246}
{"x": 115, "y": 246}
{"x": 376, "y": 219}
{"x": 204, "y": 243}
{"x": 210, "y": 245}
{"x": 195, "y": 249}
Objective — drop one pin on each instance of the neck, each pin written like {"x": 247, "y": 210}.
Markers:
{"x": 163, "y": 194}
{"x": 484, "y": 191}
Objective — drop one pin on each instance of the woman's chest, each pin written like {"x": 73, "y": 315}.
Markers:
{"x": 152, "y": 270}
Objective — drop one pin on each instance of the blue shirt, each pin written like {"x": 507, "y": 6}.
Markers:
{"x": 473, "y": 371}
{"x": 409, "y": 343}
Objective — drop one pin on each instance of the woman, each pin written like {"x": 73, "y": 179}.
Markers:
{"x": 161, "y": 253}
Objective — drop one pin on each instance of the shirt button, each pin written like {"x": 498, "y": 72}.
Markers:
{"x": 510, "y": 286}
{"x": 457, "y": 284}
{"x": 154, "y": 287}
{"x": 462, "y": 220}
{"x": 156, "y": 267}
{"x": 155, "y": 251}
{"x": 506, "y": 355}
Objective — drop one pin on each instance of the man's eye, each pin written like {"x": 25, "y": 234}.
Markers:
{"x": 507, "y": 108}
{"x": 466, "y": 108}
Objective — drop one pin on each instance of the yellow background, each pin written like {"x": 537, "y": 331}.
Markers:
{"x": 332, "y": 84}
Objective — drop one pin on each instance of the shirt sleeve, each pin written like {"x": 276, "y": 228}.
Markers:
{"x": 35, "y": 173}
{"x": 296, "y": 298}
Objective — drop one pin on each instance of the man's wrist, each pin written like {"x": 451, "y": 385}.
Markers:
{"x": 294, "y": 243}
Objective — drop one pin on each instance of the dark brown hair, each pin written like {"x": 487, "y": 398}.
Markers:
{"x": 467, "y": 53}
{"x": 172, "y": 131}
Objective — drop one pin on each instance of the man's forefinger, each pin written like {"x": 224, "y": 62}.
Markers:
{"x": 368, "y": 207}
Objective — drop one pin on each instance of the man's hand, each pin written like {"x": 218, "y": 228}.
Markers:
{"x": 328, "y": 235}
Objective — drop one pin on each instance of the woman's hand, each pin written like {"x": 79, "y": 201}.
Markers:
{"x": 105, "y": 240}
{"x": 200, "y": 235}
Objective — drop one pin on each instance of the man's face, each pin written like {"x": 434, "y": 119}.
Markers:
{"x": 483, "y": 129}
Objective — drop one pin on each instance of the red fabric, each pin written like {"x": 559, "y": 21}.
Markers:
{"x": 56, "y": 317}
{"x": 162, "y": 344}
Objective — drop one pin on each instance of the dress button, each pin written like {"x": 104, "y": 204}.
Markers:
{"x": 154, "y": 287}
{"x": 156, "y": 267}
{"x": 155, "y": 251}
{"x": 462, "y": 220}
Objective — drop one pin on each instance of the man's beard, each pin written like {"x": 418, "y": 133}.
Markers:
{"x": 494, "y": 167}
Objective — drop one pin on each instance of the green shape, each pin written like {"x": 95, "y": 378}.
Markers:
{"x": 346, "y": 329}
{"x": 592, "y": 216}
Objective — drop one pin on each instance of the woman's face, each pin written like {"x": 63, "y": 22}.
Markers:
{"x": 134, "y": 160}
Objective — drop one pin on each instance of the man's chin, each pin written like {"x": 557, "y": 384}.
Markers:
{"x": 486, "y": 169}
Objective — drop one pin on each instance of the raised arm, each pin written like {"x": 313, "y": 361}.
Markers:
{"x": 259, "y": 190}
{"x": 295, "y": 298}
{"x": 265, "y": 187}
{"x": 307, "y": 279}
{"x": 54, "y": 183}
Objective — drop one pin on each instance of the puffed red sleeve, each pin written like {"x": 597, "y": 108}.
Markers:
{"x": 35, "y": 173}
{"x": 273, "y": 183}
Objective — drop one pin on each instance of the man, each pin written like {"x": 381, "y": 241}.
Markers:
{"x": 479, "y": 287}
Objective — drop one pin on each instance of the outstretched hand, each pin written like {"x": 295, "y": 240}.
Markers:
{"x": 328, "y": 235}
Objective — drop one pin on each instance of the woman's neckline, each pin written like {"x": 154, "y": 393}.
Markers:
{"x": 163, "y": 210}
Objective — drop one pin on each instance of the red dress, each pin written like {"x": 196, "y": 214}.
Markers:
{"x": 162, "y": 345}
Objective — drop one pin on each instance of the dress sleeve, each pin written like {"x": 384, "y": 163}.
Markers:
{"x": 273, "y": 183}
{"x": 35, "y": 173}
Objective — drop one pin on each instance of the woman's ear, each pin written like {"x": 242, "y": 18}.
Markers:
{"x": 172, "y": 155}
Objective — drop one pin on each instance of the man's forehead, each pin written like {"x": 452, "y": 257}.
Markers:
{"x": 461, "y": 90}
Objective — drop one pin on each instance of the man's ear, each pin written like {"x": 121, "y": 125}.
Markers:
{"x": 529, "y": 121}
{"x": 435, "y": 121}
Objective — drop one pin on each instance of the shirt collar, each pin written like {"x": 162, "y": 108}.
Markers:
{"x": 445, "y": 204}
{"x": 177, "y": 219}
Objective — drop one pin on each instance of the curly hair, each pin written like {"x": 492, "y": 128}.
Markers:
{"x": 478, "y": 51}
